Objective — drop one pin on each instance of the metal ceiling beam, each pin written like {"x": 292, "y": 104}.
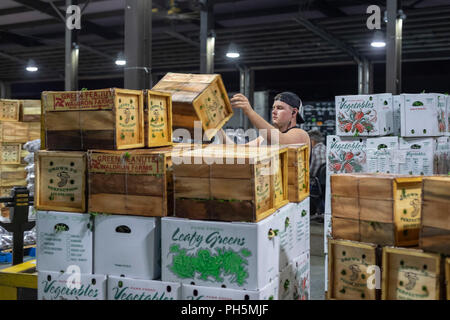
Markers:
{"x": 328, "y": 37}
{"x": 46, "y": 8}
{"x": 393, "y": 48}
{"x": 181, "y": 37}
{"x": 10, "y": 37}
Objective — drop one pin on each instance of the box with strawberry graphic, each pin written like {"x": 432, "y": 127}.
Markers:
{"x": 423, "y": 115}
{"x": 344, "y": 155}
{"x": 364, "y": 115}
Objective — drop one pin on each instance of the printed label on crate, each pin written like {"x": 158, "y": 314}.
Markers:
{"x": 212, "y": 106}
{"x": 414, "y": 283}
{"x": 158, "y": 118}
{"x": 126, "y": 163}
{"x": 10, "y": 153}
{"x": 408, "y": 207}
{"x": 263, "y": 186}
{"x": 127, "y": 117}
{"x": 80, "y": 100}
{"x": 64, "y": 179}
{"x": 278, "y": 186}
{"x": 9, "y": 110}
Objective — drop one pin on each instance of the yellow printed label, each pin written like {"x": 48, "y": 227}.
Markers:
{"x": 212, "y": 107}
{"x": 408, "y": 209}
{"x": 127, "y": 119}
{"x": 263, "y": 187}
{"x": 301, "y": 173}
{"x": 278, "y": 185}
{"x": 157, "y": 119}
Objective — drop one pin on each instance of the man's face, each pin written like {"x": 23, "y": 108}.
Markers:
{"x": 282, "y": 114}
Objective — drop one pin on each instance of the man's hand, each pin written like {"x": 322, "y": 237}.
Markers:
{"x": 240, "y": 101}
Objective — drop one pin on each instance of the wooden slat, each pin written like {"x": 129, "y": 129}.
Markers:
{"x": 346, "y": 229}
{"x": 435, "y": 240}
{"x": 436, "y": 189}
{"x": 377, "y": 210}
{"x": 436, "y": 214}
{"x": 345, "y": 207}
{"x": 128, "y": 204}
{"x": 447, "y": 276}
{"x": 19, "y": 132}
{"x": 377, "y": 232}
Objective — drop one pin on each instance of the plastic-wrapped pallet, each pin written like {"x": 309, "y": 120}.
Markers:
{"x": 31, "y": 147}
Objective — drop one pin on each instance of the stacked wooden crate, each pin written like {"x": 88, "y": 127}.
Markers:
{"x": 19, "y": 123}
{"x": 388, "y": 213}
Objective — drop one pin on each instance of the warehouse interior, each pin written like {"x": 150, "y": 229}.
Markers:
{"x": 318, "y": 49}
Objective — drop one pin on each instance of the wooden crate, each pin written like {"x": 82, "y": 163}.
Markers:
{"x": 13, "y": 175}
{"x": 158, "y": 119}
{"x": 344, "y": 196}
{"x": 61, "y": 181}
{"x": 410, "y": 274}
{"x": 19, "y": 132}
{"x": 280, "y": 184}
{"x": 347, "y": 270}
{"x": 435, "y": 227}
{"x": 9, "y": 110}
{"x": 110, "y": 119}
{"x": 12, "y": 153}
{"x": 345, "y": 228}
{"x": 197, "y": 97}
{"x": 229, "y": 185}
{"x": 298, "y": 172}
{"x": 30, "y": 110}
{"x": 391, "y": 199}
{"x": 130, "y": 182}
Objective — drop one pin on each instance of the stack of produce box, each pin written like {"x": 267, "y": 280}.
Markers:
{"x": 422, "y": 148}
{"x": 102, "y": 184}
{"x": 19, "y": 123}
{"x": 378, "y": 222}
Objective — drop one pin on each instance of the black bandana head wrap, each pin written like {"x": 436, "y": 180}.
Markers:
{"x": 293, "y": 100}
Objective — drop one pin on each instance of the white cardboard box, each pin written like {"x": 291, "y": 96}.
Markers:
{"x": 442, "y": 155}
{"x": 127, "y": 246}
{"x": 423, "y": 115}
{"x": 416, "y": 156}
{"x": 286, "y": 218}
{"x": 294, "y": 231}
{"x": 191, "y": 292}
{"x": 364, "y": 115}
{"x": 68, "y": 286}
{"x": 344, "y": 155}
{"x": 302, "y": 222}
{"x": 326, "y": 231}
{"x": 381, "y": 155}
{"x": 208, "y": 253}
{"x": 120, "y": 288}
{"x": 64, "y": 239}
{"x": 326, "y": 271}
{"x": 398, "y": 104}
{"x": 295, "y": 279}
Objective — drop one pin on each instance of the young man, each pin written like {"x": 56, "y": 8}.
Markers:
{"x": 285, "y": 117}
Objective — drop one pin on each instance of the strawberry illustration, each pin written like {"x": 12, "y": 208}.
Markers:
{"x": 359, "y": 115}
{"x": 348, "y": 168}
{"x": 349, "y": 156}
{"x": 348, "y": 127}
{"x": 359, "y": 127}
{"x": 337, "y": 167}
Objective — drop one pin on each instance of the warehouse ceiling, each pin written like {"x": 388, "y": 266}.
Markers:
{"x": 268, "y": 33}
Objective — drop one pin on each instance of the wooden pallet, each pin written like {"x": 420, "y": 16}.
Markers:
{"x": 61, "y": 181}
{"x": 158, "y": 119}
{"x": 15, "y": 279}
{"x": 298, "y": 171}
{"x": 235, "y": 185}
{"x": 348, "y": 262}
{"x": 435, "y": 226}
{"x": 197, "y": 97}
{"x": 411, "y": 274}
{"x": 111, "y": 119}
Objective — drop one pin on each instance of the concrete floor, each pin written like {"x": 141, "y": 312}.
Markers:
{"x": 317, "y": 264}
